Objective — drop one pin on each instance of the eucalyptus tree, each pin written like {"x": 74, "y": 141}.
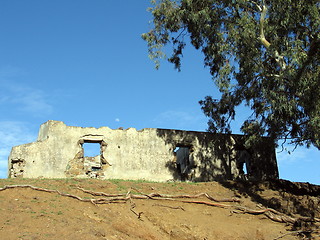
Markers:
{"x": 263, "y": 53}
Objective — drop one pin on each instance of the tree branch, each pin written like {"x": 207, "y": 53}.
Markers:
{"x": 262, "y": 37}
{"x": 257, "y": 5}
{"x": 279, "y": 59}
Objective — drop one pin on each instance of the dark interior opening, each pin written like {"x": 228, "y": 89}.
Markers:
{"x": 183, "y": 161}
{"x": 95, "y": 168}
{"x": 243, "y": 162}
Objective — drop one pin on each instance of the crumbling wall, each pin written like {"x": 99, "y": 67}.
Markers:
{"x": 149, "y": 154}
{"x": 127, "y": 154}
{"x": 211, "y": 156}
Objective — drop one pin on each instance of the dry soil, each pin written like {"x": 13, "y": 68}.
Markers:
{"x": 31, "y": 214}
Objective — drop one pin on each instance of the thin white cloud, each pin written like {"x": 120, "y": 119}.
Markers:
{"x": 26, "y": 99}
{"x": 117, "y": 120}
{"x": 181, "y": 120}
{"x": 300, "y": 154}
{"x": 33, "y": 101}
{"x": 12, "y": 133}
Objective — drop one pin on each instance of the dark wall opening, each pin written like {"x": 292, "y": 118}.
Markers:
{"x": 183, "y": 161}
{"x": 244, "y": 163}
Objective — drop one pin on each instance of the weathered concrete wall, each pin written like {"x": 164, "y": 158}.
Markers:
{"x": 130, "y": 154}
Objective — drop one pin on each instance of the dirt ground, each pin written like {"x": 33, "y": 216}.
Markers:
{"x": 32, "y": 214}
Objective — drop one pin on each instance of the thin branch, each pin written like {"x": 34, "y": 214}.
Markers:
{"x": 182, "y": 32}
{"x": 257, "y": 5}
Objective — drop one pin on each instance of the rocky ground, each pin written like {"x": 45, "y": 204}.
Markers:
{"x": 148, "y": 210}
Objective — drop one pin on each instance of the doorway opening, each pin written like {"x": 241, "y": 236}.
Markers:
{"x": 183, "y": 161}
{"x": 243, "y": 163}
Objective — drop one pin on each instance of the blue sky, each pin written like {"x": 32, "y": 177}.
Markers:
{"x": 84, "y": 63}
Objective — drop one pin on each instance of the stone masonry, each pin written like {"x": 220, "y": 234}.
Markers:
{"x": 150, "y": 154}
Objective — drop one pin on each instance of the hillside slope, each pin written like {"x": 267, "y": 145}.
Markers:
{"x": 28, "y": 213}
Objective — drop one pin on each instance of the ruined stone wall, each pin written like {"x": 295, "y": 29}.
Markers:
{"x": 130, "y": 154}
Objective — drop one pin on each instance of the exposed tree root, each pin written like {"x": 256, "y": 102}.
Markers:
{"x": 121, "y": 198}
{"x": 160, "y": 205}
{"x": 162, "y": 196}
{"x": 46, "y": 190}
{"x": 297, "y": 233}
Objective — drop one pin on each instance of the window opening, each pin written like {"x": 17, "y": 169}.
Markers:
{"x": 91, "y": 149}
{"x": 17, "y": 168}
{"x": 92, "y": 154}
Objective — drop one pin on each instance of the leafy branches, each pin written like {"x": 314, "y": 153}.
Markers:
{"x": 262, "y": 53}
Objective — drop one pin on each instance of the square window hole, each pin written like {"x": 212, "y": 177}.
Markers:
{"x": 91, "y": 149}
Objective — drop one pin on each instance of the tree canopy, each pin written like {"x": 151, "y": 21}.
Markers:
{"x": 263, "y": 53}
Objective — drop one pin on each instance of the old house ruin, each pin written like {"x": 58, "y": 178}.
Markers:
{"x": 150, "y": 154}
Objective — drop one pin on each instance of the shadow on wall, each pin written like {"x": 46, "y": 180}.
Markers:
{"x": 210, "y": 155}
{"x": 219, "y": 157}
{"x": 222, "y": 153}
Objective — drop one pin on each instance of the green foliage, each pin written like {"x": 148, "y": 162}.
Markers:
{"x": 262, "y": 53}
